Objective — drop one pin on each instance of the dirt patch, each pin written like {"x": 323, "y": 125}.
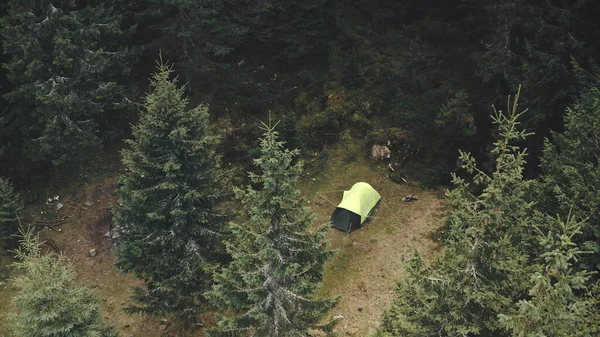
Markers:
{"x": 89, "y": 220}
{"x": 86, "y": 208}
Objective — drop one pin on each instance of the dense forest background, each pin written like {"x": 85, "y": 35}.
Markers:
{"x": 418, "y": 76}
{"x": 420, "y": 73}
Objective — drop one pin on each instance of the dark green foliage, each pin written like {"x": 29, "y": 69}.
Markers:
{"x": 171, "y": 226}
{"x": 351, "y": 76}
{"x": 50, "y": 303}
{"x": 10, "y": 207}
{"x": 201, "y": 35}
{"x": 213, "y": 41}
{"x": 289, "y": 134}
{"x": 277, "y": 258}
{"x": 535, "y": 44}
{"x": 330, "y": 128}
{"x": 570, "y": 182}
{"x": 495, "y": 268}
{"x": 480, "y": 48}
{"x": 297, "y": 31}
{"x": 455, "y": 117}
{"x": 65, "y": 59}
{"x": 434, "y": 75}
{"x": 319, "y": 129}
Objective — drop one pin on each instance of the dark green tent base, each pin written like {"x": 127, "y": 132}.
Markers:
{"x": 345, "y": 220}
{"x": 348, "y": 221}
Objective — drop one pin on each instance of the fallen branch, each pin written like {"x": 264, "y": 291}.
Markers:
{"x": 50, "y": 224}
{"x": 50, "y": 243}
{"x": 64, "y": 218}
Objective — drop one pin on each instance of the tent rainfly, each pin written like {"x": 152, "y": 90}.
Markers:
{"x": 356, "y": 206}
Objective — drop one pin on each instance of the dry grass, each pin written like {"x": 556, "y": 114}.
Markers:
{"x": 368, "y": 262}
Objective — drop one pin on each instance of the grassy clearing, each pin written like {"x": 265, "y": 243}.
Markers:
{"x": 368, "y": 262}
{"x": 363, "y": 272}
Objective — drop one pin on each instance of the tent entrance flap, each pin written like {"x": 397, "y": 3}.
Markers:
{"x": 355, "y": 207}
{"x": 345, "y": 220}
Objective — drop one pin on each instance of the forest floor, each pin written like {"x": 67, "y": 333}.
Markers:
{"x": 368, "y": 262}
{"x": 364, "y": 271}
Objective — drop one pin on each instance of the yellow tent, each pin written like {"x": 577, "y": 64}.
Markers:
{"x": 355, "y": 207}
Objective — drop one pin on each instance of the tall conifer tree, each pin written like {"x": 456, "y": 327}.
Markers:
{"x": 170, "y": 221}
{"x": 570, "y": 182}
{"x": 277, "y": 259}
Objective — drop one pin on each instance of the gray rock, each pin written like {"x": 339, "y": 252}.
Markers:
{"x": 410, "y": 197}
{"x": 88, "y": 203}
{"x": 93, "y": 252}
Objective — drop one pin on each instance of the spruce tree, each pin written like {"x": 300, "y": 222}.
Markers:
{"x": 65, "y": 62}
{"x": 277, "y": 258}
{"x": 10, "y": 207}
{"x": 49, "y": 302}
{"x": 570, "y": 182}
{"x": 492, "y": 253}
{"x": 170, "y": 222}
{"x": 560, "y": 303}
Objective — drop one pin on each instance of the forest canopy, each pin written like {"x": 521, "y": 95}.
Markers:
{"x": 211, "y": 219}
